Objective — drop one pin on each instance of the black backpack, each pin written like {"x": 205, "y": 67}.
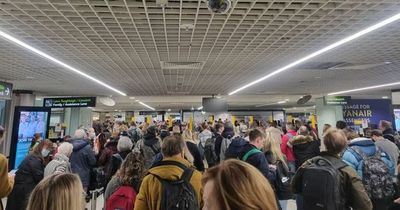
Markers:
{"x": 321, "y": 185}
{"x": 235, "y": 147}
{"x": 178, "y": 194}
{"x": 283, "y": 181}
{"x": 209, "y": 151}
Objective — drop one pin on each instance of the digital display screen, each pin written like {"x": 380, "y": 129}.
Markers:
{"x": 215, "y": 105}
{"x": 397, "y": 119}
{"x": 27, "y": 123}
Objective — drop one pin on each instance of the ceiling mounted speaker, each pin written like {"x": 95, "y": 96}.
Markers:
{"x": 107, "y": 101}
{"x": 304, "y": 99}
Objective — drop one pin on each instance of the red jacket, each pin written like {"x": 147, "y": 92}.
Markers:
{"x": 288, "y": 151}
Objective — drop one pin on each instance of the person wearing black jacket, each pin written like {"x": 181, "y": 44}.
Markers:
{"x": 124, "y": 147}
{"x": 29, "y": 174}
{"x": 251, "y": 154}
{"x": 304, "y": 145}
{"x": 219, "y": 127}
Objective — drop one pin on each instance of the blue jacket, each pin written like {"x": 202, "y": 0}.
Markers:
{"x": 369, "y": 148}
{"x": 82, "y": 160}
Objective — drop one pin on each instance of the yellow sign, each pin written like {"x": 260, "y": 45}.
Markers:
{"x": 233, "y": 119}
{"x": 251, "y": 120}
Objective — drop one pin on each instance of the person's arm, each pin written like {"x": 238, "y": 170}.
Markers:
{"x": 37, "y": 169}
{"x": 91, "y": 157}
{"x": 284, "y": 145}
{"x": 198, "y": 161}
{"x": 357, "y": 196}
{"x": 218, "y": 142}
{"x": 263, "y": 166}
{"x": 6, "y": 184}
{"x": 142, "y": 200}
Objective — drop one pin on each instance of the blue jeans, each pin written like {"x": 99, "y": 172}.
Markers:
{"x": 283, "y": 204}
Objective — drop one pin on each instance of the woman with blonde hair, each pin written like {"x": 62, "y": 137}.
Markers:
{"x": 58, "y": 192}
{"x": 193, "y": 154}
{"x": 274, "y": 156}
{"x": 234, "y": 185}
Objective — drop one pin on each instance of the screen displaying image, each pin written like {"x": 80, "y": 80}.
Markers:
{"x": 28, "y": 123}
{"x": 397, "y": 119}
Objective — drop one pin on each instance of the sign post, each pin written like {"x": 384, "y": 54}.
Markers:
{"x": 336, "y": 100}
{"x": 69, "y": 102}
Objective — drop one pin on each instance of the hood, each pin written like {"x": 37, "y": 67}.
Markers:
{"x": 367, "y": 145}
{"x": 112, "y": 143}
{"x": 228, "y": 133}
{"x": 61, "y": 157}
{"x": 78, "y": 144}
{"x": 300, "y": 139}
{"x": 150, "y": 139}
{"x": 170, "y": 172}
{"x": 239, "y": 142}
{"x": 388, "y": 131}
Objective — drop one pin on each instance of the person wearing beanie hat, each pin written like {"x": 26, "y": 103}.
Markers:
{"x": 149, "y": 146}
{"x": 124, "y": 147}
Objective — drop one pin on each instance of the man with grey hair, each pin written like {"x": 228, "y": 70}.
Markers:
{"x": 60, "y": 163}
{"x": 387, "y": 130}
{"x": 82, "y": 158}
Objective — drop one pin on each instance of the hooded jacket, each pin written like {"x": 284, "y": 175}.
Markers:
{"x": 304, "y": 148}
{"x": 60, "y": 163}
{"x": 149, "y": 146}
{"x": 369, "y": 148}
{"x": 352, "y": 187}
{"x": 82, "y": 160}
{"x": 149, "y": 196}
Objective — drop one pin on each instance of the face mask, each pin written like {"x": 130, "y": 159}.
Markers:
{"x": 45, "y": 152}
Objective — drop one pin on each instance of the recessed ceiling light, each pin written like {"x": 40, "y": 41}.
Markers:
{"x": 321, "y": 51}
{"x": 45, "y": 55}
{"x": 132, "y": 97}
{"x": 385, "y": 97}
{"x": 137, "y": 100}
{"x": 29, "y": 77}
{"x": 364, "y": 88}
{"x": 169, "y": 110}
{"x": 200, "y": 108}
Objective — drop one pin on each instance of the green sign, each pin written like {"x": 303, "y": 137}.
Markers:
{"x": 336, "y": 100}
{"x": 5, "y": 90}
{"x": 70, "y": 102}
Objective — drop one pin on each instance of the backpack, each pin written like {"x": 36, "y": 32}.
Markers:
{"x": 250, "y": 153}
{"x": 148, "y": 152}
{"x": 209, "y": 152}
{"x": 178, "y": 194}
{"x": 375, "y": 174}
{"x": 122, "y": 199}
{"x": 283, "y": 181}
{"x": 321, "y": 185}
{"x": 235, "y": 147}
{"x": 98, "y": 178}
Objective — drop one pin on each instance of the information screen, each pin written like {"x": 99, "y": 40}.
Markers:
{"x": 27, "y": 122}
{"x": 397, "y": 119}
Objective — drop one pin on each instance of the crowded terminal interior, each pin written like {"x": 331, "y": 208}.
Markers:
{"x": 199, "y": 104}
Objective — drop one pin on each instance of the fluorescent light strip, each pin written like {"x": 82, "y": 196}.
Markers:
{"x": 321, "y": 51}
{"x": 279, "y": 102}
{"x": 364, "y": 88}
{"x": 26, "y": 46}
{"x": 200, "y": 108}
{"x": 146, "y": 105}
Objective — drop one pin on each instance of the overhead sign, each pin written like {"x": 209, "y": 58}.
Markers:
{"x": 361, "y": 112}
{"x": 151, "y": 113}
{"x": 5, "y": 90}
{"x": 336, "y": 100}
{"x": 69, "y": 102}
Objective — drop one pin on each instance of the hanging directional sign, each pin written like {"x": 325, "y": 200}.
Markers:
{"x": 5, "y": 90}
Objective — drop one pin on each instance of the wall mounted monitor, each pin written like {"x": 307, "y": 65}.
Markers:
{"x": 215, "y": 105}
{"x": 27, "y": 122}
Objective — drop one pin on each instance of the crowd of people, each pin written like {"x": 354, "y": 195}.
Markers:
{"x": 215, "y": 165}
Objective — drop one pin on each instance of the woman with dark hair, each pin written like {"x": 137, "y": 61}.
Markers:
{"x": 99, "y": 145}
{"x": 29, "y": 174}
{"x": 129, "y": 174}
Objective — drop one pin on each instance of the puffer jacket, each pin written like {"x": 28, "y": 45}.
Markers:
{"x": 149, "y": 196}
{"x": 369, "y": 148}
{"x": 29, "y": 174}
{"x": 60, "y": 163}
{"x": 352, "y": 187}
{"x": 304, "y": 148}
{"x": 83, "y": 160}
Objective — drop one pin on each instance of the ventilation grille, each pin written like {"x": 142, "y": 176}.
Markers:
{"x": 181, "y": 65}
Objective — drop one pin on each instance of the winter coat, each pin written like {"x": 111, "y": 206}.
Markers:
{"x": 304, "y": 148}
{"x": 149, "y": 146}
{"x": 115, "y": 163}
{"x": 29, "y": 174}
{"x": 218, "y": 142}
{"x": 6, "y": 184}
{"x": 194, "y": 150}
{"x": 286, "y": 150}
{"x": 259, "y": 161}
{"x": 82, "y": 160}
{"x": 60, "y": 164}
{"x": 149, "y": 198}
{"x": 389, "y": 134}
{"x": 352, "y": 187}
{"x": 283, "y": 193}
{"x": 369, "y": 148}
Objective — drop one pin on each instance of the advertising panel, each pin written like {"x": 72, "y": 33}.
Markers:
{"x": 367, "y": 111}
